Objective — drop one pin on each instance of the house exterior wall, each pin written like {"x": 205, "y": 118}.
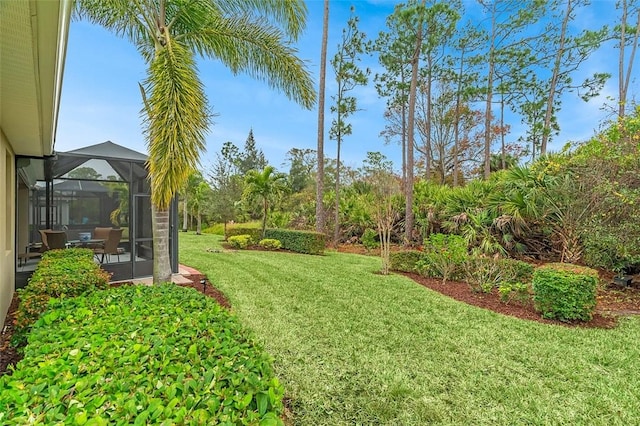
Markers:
{"x": 7, "y": 225}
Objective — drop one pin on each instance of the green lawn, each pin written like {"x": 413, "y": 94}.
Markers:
{"x": 355, "y": 347}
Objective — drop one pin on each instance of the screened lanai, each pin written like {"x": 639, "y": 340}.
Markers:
{"x": 96, "y": 197}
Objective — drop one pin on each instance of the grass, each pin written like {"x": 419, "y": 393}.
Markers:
{"x": 355, "y": 347}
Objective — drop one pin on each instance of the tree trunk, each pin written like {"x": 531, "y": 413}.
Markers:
{"x": 336, "y": 229}
{"x": 408, "y": 221}
{"x": 623, "y": 83}
{"x": 546, "y": 130}
{"x": 185, "y": 215}
{"x": 487, "y": 118}
{"x": 161, "y": 259}
{"x": 428, "y": 120}
{"x": 321, "y": 92}
{"x": 264, "y": 215}
{"x": 199, "y": 224}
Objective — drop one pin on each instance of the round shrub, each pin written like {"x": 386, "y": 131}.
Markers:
{"x": 240, "y": 241}
{"x": 565, "y": 292}
{"x": 270, "y": 244}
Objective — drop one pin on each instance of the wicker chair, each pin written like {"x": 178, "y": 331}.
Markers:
{"x": 110, "y": 245}
{"x": 54, "y": 239}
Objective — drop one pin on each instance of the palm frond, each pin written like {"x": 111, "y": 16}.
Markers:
{"x": 176, "y": 122}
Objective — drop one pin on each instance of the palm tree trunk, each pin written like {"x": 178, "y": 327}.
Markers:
{"x": 161, "y": 261}
{"x": 185, "y": 215}
{"x": 320, "y": 154}
{"x": 264, "y": 216}
{"x": 199, "y": 226}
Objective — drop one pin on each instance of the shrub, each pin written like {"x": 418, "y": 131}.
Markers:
{"x": 60, "y": 274}
{"x": 509, "y": 291}
{"x": 444, "y": 256}
{"x": 240, "y": 241}
{"x": 484, "y": 273}
{"x": 370, "y": 239}
{"x": 565, "y": 292}
{"x": 270, "y": 244}
{"x": 141, "y": 355}
{"x": 215, "y": 229}
{"x": 405, "y": 261}
{"x": 298, "y": 241}
{"x": 254, "y": 233}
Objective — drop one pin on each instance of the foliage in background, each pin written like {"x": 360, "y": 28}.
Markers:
{"x": 141, "y": 355}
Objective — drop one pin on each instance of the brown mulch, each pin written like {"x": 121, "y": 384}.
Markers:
{"x": 207, "y": 289}
{"x": 612, "y": 302}
{"x": 9, "y": 355}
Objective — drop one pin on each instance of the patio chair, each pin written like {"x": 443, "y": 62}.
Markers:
{"x": 55, "y": 239}
{"x": 110, "y": 245}
{"x": 100, "y": 233}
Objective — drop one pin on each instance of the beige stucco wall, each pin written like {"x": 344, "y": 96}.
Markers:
{"x": 7, "y": 226}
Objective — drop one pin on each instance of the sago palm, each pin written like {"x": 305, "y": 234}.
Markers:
{"x": 251, "y": 36}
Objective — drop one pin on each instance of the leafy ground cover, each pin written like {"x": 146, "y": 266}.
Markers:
{"x": 140, "y": 355}
{"x": 352, "y": 346}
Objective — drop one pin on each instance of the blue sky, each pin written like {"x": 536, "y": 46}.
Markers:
{"x": 101, "y": 100}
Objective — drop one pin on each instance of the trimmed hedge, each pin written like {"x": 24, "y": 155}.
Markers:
{"x": 308, "y": 242}
{"x": 565, "y": 292}
{"x": 60, "y": 274}
{"x": 405, "y": 261}
{"x": 254, "y": 233}
{"x": 141, "y": 355}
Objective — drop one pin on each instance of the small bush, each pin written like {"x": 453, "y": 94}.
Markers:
{"x": 240, "y": 242}
{"x": 484, "y": 273}
{"x": 509, "y": 291}
{"x": 141, "y": 355}
{"x": 60, "y": 274}
{"x": 254, "y": 233}
{"x": 444, "y": 256}
{"x": 405, "y": 261}
{"x": 270, "y": 244}
{"x": 298, "y": 241}
{"x": 370, "y": 239}
{"x": 565, "y": 292}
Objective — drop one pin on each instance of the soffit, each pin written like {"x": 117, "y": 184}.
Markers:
{"x": 33, "y": 38}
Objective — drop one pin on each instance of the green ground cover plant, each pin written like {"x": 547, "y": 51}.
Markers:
{"x": 351, "y": 347}
{"x": 141, "y": 355}
{"x": 60, "y": 274}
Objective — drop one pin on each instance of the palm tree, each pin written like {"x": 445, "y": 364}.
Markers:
{"x": 265, "y": 185}
{"x": 247, "y": 36}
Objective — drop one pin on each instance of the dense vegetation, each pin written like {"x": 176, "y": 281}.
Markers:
{"x": 140, "y": 355}
{"x": 575, "y": 206}
{"x": 60, "y": 274}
